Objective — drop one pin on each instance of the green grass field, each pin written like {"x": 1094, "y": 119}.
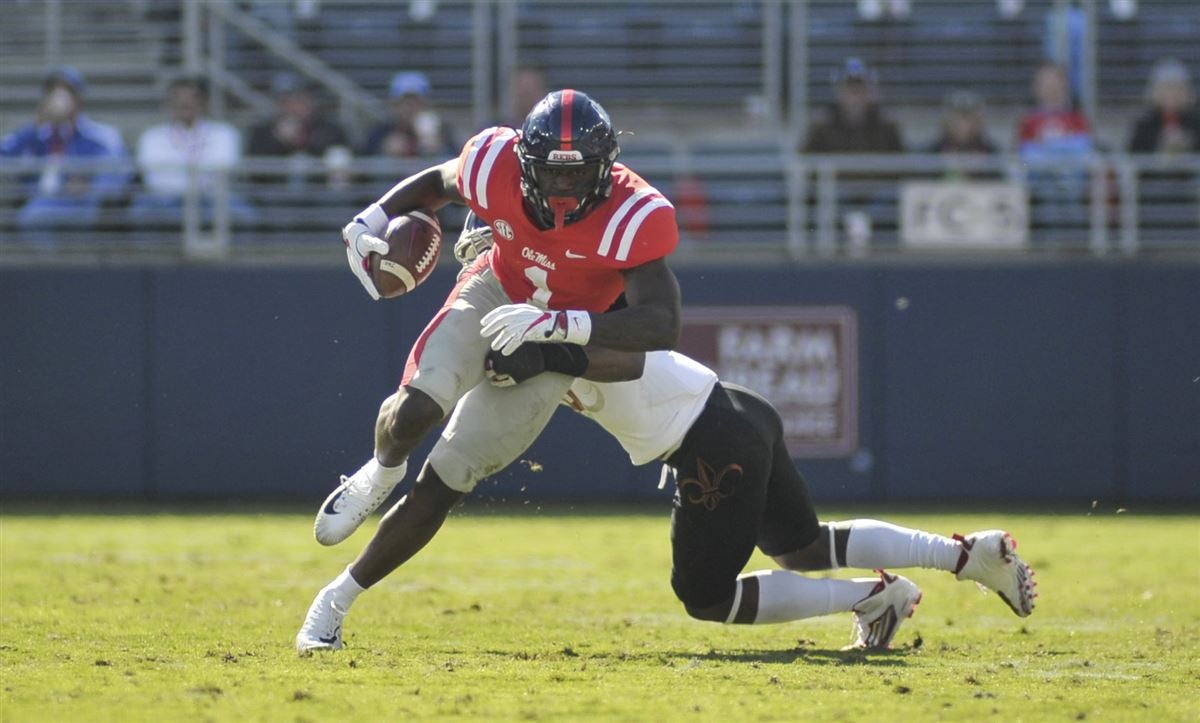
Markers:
{"x": 559, "y": 616}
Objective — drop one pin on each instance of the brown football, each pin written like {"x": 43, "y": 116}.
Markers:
{"x": 415, "y": 240}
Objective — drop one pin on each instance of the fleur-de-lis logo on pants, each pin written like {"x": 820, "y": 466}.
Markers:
{"x": 708, "y": 490}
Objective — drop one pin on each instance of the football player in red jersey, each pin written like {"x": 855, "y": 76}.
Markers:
{"x": 573, "y": 230}
{"x": 737, "y": 489}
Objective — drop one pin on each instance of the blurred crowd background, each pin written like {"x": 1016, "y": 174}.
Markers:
{"x": 977, "y": 221}
{"x": 214, "y": 128}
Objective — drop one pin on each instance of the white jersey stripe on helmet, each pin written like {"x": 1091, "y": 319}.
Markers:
{"x": 635, "y": 223}
{"x": 498, "y": 141}
{"x": 611, "y": 229}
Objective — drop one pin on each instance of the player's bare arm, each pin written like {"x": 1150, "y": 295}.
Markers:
{"x": 652, "y": 319}
{"x": 610, "y": 365}
{"x": 432, "y": 188}
{"x": 593, "y": 363}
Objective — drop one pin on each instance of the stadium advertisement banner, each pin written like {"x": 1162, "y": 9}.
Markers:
{"x": 804, "y": 359}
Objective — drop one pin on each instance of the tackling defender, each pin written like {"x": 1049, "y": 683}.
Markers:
{"x": 574, "y": 230}
{"x": 736, "y": 487}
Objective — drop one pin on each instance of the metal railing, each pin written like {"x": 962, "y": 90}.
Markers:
{"x": 778, "y": 204}
{"x": 771, "y": 57}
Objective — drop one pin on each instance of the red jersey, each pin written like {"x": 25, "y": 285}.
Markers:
{"x": 578, "y": 267}
{"x": 1048, "y": 125}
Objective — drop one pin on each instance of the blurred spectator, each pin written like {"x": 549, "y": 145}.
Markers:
{"x": 964, "y": 141}
{"x": 297, "y": 127}
{"x": 874, "y": 10}
{"x": 1010, "y": 9}
{"x": 1055, "y": 141}
{"x": 1054, "y": 128}
{"x": 299, "y": 132}
{"x": 963, "y": 129}
{"x": 414, "y": 128}
{"x": 855, "y": 123}
{"x": 61, "y": 197}
{"x": 1171, "y": 124}
{"x": 1123, "y": 10}
{"x": 188, "y": 143}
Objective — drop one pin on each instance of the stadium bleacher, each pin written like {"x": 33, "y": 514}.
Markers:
{"x": 704, "y": 84}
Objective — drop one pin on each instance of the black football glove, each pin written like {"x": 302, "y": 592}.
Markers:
{"x": 507, "y": 371}
{"x": 529, "y": 360}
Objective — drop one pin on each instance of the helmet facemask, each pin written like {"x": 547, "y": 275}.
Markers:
{"x": 567, "y": 189}
{"x": 566, "y": 167}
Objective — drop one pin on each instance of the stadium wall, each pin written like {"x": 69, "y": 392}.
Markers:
{"x": 1065, "y": 381}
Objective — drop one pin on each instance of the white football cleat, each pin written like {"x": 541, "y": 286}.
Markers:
{"x": 348, "y": 506}
{"x": 991, "y": 562}
{"x": 322, "y": 628}
{"x": 879, "y": 615}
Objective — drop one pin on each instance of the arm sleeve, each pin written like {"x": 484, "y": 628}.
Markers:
{"x": 14, "y": 143}
{"x": 481, "y": 155}
{"x": 656, "y": 237}
{"x": 468, "y": 157}
{"x": 226, "y": 149}
{"x": 110, "y": 184}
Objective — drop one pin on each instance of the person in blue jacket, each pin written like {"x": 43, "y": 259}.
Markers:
{"x": 64, "y": 199}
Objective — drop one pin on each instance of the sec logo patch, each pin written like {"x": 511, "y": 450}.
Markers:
{"x": 504, "y": 229}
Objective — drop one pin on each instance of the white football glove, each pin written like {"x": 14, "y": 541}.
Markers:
{"x": 514, "y": 324}
{"x": 361, "y": 237}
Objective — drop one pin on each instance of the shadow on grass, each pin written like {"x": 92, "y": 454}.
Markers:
{"x": 684, "y": 659}
{"x": 810, "y": 656}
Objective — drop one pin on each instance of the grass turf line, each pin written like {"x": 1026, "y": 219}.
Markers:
{"x": 189, "y": 617}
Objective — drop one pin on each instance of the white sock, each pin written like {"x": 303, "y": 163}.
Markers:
{"x": 345, "y": 589}
{"x": 378, "y": 474}
{"x": 873, "y": 544}
{"x": 785, "y": 596}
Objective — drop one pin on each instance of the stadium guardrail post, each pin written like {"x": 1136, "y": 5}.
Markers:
{"x": 1127, "y": 174}
{"x": 1098, "y": 206}
{"x": 482, "y": 94}
{"x": 216, "y": 65}
{"x": 798, "y": 72}
{"x": 190, "y": 31}
{"x": 773, "y": 58}
{"x": 826, "y": 208}
{"x": 797, "y": 200}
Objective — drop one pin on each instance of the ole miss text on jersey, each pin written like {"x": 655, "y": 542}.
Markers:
{"x": 578, "y": 266}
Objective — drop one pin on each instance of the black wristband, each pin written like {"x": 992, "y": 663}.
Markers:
{"x": 569, "y": 359}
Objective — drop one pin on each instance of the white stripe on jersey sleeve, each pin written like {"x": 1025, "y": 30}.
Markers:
{"x": 499, "y": 141}
{"x": 611, "y": 229}
{"x": 466, "y": 180}
{"x": 635, "y": 223}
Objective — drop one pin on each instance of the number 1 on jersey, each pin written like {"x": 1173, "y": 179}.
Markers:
{"x": 541, "y": 292}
